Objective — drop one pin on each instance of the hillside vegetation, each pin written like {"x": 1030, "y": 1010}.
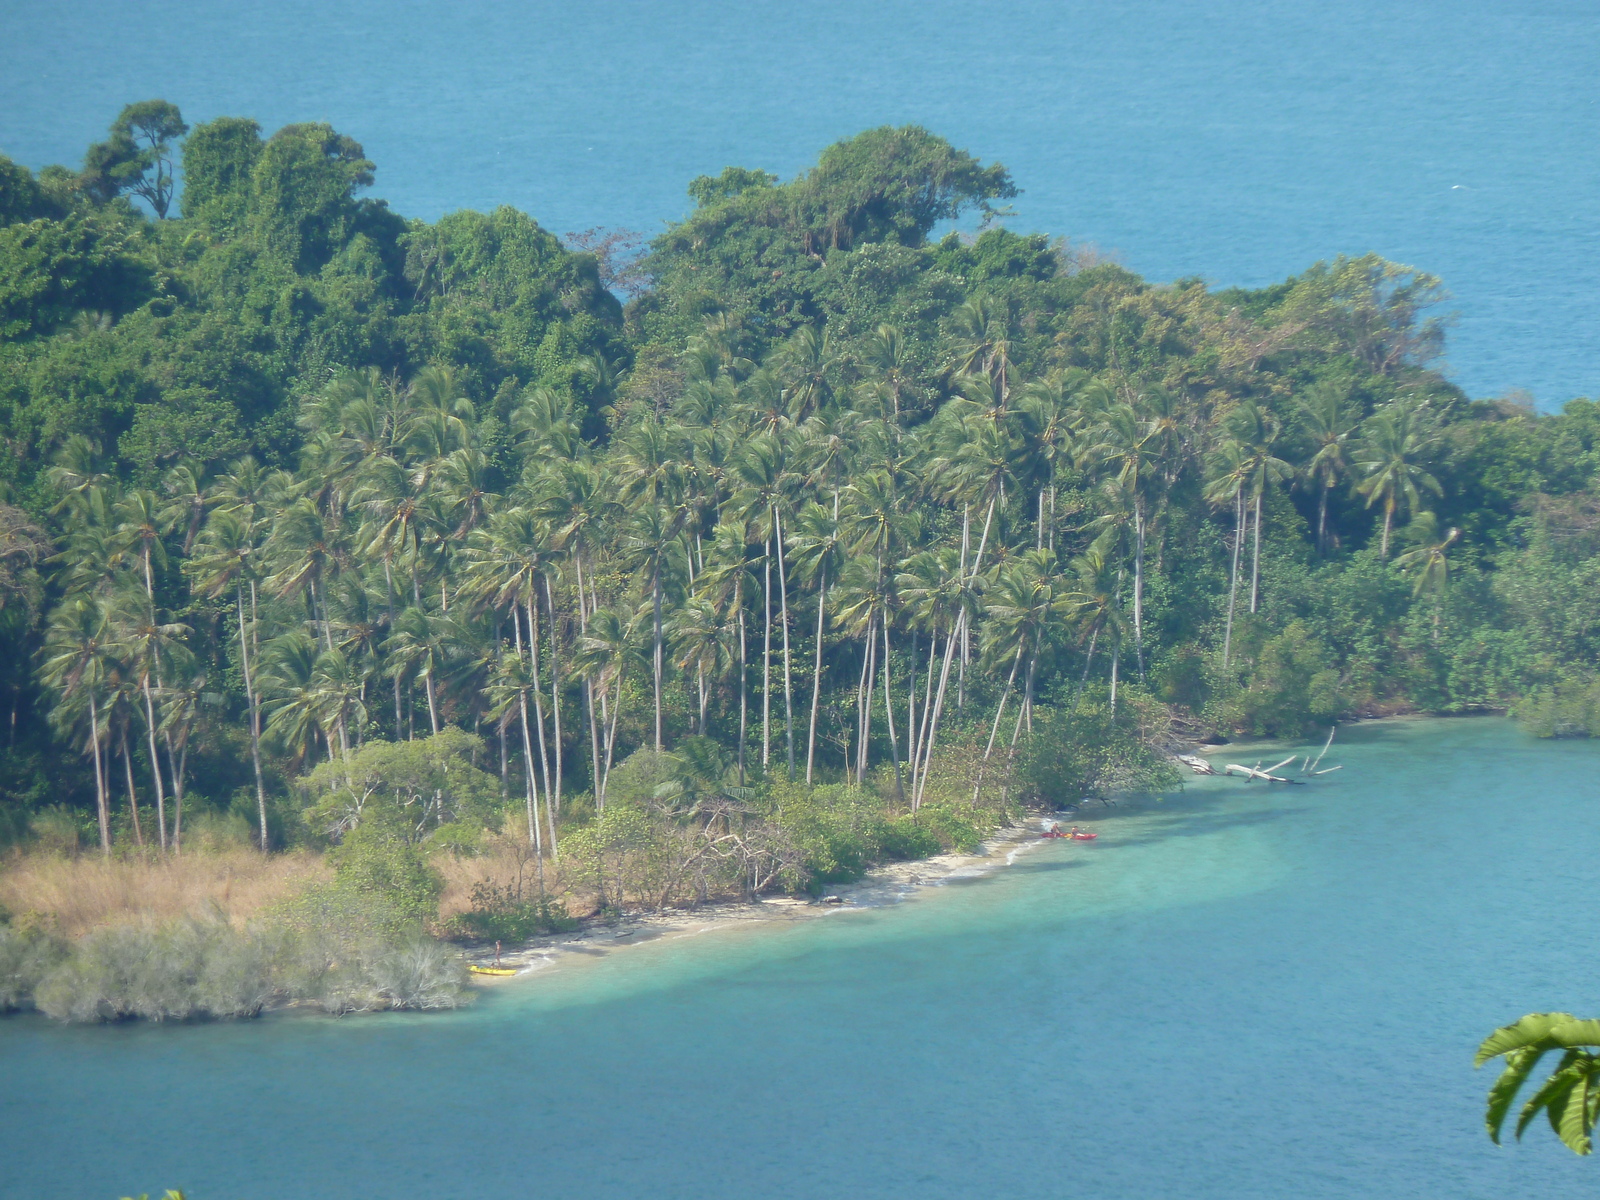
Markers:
{"x": 810, "y": 538}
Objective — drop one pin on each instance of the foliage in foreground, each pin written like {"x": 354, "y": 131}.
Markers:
{"x": 1569, "y": 1098}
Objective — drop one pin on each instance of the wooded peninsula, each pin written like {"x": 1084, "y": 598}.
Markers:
{"x": 366, "y": 582}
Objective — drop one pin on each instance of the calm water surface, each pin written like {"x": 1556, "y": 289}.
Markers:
{"x": 1238, "y": 140}
{"x": 1232, "y": 994}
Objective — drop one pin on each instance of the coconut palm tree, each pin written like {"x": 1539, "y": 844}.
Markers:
{"x": 940, "y": 597}
{"x": 980, "y": 332}
{"x": 1228, "y": 470}
{"x": 424, "y": 645}
{"x": 865, "y": 609}
{"x": 1428, "y": 562}
{"x": 1127, "y": 443}
{"x": 1395, "y": 441}
{"x": 1328, "y": 419}
{"x": 145, "y": 643}
{"x": 306, "y": 548}
{"x": 1025, "y": 608}
{"x": 227, "y": 556}
{"x": 767, "y": 488}
{"x": 727, "y": 583}
{"x": 77, "y": 661}
{"x": 189, "y": 501}
{"x": 1051, "y": 412}
{"x": 606, "y": 651}
{"x": 293, "y": 702}
{"x": 652, "y": 541}
{"x": 1255, "y": 431}
{"x": 508, "y": 692}
{"x": 1097, "y": 588}
{"x": 817, "y": 550}
{"x": 806, "y": 362}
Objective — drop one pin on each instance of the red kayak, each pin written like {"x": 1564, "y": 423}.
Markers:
{"x": 1083, "y": 837}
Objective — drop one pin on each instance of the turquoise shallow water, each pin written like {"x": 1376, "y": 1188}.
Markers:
{"x": 1239, "y": 140}
{"x": 1233, "y": 994}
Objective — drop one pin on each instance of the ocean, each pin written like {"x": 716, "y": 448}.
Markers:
{"x": 1234, "y": 993}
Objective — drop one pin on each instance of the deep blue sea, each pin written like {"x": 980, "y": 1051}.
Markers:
{"x": 1233, "y": 994}
{"x": 1238, "y": 140}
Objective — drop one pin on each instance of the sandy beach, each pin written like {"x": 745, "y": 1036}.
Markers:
{"x": 882, "y": 886}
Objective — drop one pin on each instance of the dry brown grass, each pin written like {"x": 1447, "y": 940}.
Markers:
{"x": 80, "y": 894}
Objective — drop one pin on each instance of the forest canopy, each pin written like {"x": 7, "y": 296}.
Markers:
{"x": 830, "y": 499}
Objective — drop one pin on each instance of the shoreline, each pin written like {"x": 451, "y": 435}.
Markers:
{"x": 881, "y": 887}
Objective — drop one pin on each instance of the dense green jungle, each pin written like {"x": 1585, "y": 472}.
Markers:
{"x": 799, "y": 536}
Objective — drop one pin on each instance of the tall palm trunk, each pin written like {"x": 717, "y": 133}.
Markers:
{"x": 388, "y": 587}
{"x": 920, "y": 731}
{"x": 938, "y": 706}
{"x": 911, "y": 710}
{"x": 555, "y": 692}
{"x": 133, "y": 796}
{"x": 588, "y": 683}
{"x": 766, "y": 657}
{"x": 1388, "y": 523}
{"x": 744, "y": 702}
{"x": 150, "y": 715}
{"x": 869, "y": 663}
{"x": 655, "y": 607}
{"x": 1138, "y": 583}
{"x": 155, "y": 764}
{"x": 977, "y": 566}
{"x": 1255, "y": 558}
{"x": 255, "y": 718}
{"x": 611, "y": 740}
{"x": 788, "y": 684}
{"x": 538, "y": 692}
{"x": 966, "y": 552}
{"x": 180, "y": 770}
{"x": 1116, "y": 654}
{"x": 1026, "y": 712}
{"x": 102, "y": 807}
{"x": 994, "y": 729}
{"x": 1088, "y": 661}
{"x": 534, "y": 834}
{"x": 1233, "y": 578}
{"x": 888, "y": 715}
{"x": 816, "y": 672}
{"x": 1322, "y": 519}
{"x": 319, "y": 613}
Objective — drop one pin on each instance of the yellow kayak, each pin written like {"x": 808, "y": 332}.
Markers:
{"x": 477, "y": 970}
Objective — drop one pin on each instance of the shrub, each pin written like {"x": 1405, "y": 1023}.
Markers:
{"x": 939, "y": 827}
{"x": 499, "y": 914}
{"x": 413, "y": 786}
{"x": 378, "y": 859}
{"x": 346, "y": 950}
{"x": 216, "y": 831}
{"x": 1292, "y": 688}
{"x": 58, "y": 829}
{"x": 27, "y": 954}
{"x": 1569, "y": 709}
{"x": 1070, "y": 756}
{"x": 175, "y": 971}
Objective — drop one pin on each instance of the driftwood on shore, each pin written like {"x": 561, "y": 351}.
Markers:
{"x": 1256, "y": 772}
{"x": 1308, "y": 767}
